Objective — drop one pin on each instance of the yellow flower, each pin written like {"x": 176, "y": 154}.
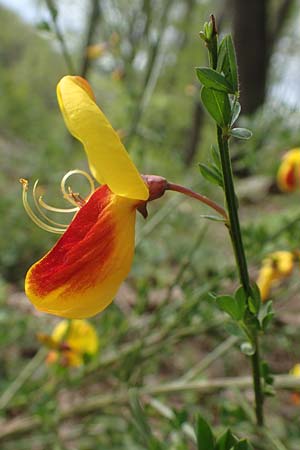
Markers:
{"x": 288, "y": 176}
{"x": 275, "y": 267}
{"x": 97, "y": 50}
{"x": 80, "y": 276}
{"x": 295, "y": 396}
{"x": 71, "y": 342}
{"x": 296, "y": 370}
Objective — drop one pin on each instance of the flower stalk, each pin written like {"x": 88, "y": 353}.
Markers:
{"x": 202, "y": 198}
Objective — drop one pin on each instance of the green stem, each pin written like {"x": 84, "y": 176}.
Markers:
{"x": 231, "y": 200}
{"x": 237, "y": 243}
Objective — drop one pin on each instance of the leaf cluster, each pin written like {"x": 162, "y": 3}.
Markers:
{"x": 227, "y": 441}
{"x": 248, "y": 314}
{"x": 220, "y": 90}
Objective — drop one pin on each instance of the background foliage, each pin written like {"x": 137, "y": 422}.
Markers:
{"x": 163, "y": 327}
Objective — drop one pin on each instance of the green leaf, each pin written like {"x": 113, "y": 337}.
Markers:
{"x": 266, "y": 315}
{"x": 243, "y": 445}
{"x": 208, "y": 30}
{"x": 231, "y": 306}
{"x": 266, "y": 373}
{"x": 211, "y": 174}
{"x": 140, "y": 421}
{"x": 230, "y": 53}
{"x": 227, "y": 62}
{"x": 234, "y": 329}
{"x": 205, "y": 438}
{"x": 226, "y": 441}
{"x": 256, "y": 292}
{"x": 217, "y": 105}
{"x": 212, "y": 217}
{"x": 241, "y": 133}
{"x": 254, "y": 301}
{"x": 221, "y": 55}
{"x": 216, "y": 156}
{"x": 236, "y": 110}
{"x": 240, "y": 295}
{"x": 210, "y": 78}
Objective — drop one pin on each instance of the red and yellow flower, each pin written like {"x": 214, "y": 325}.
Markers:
{"x": 275, "y": 267}
{"x": 71, "y": 342}
{"x": 288, "y": 176}
{"x": 81, "y": 274}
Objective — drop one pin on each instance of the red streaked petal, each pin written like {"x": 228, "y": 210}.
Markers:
{"x": 81, "y": 274}
{"x": 291, "y": 178}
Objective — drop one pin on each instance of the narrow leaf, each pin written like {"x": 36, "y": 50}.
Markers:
{"x": 212, "y": 79}
{"x": 221, "y": 55}
{"x": 217, "y": 105}
{"x": 212, "y": 217}
{"x": 216, "y": 156}
{"x": 236, "y": 110}
{"x": 226, "y": 441}
{"x": 205, "y": 438}
{"x": 232, "y": 62}
{"x": 241, "y": 300}
{"x": 241, "y": 133}
{"x": 211, "y": 174}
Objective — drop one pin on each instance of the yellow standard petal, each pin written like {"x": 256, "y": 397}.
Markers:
{"x": 108, "y": 159}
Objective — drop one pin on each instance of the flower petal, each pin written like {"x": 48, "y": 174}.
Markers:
{"x": 80, "y": 336}
{"x": 288, "y": 176}
{"x": 108, "y": 159}
{"x": 80, "y": 276}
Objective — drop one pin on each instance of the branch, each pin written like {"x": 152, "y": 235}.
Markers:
{"x": 91, "y": 29}
{"x": 280, "y": 20}
{"x": 23, "y": 425}
{"x": 53, "y": 13}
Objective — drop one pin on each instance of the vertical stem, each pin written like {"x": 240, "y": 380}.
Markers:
{"x": 231, "y": 200}
{"x": 237, "y": 243}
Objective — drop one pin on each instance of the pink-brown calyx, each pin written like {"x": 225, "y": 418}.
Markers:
{"x": 157, "y": 186}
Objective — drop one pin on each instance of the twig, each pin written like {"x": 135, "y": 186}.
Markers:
{"x": 92, "y": 26}
{"x": 60, "y": 37}
{"x": 23, "y": 376}
{"x": 24, "y": 425}
{"x": 210, "y": 358}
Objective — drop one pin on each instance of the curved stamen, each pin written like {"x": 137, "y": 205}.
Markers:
{"x": 62, "y": 225}
{"x": 68, "y": 193}
{"x": 32, "y": 215}
{"x": 53, "y": 208}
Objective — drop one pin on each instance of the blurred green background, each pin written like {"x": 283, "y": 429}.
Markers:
{"x": 163, "y": 322}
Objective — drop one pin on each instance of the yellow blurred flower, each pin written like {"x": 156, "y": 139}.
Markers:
{"x": 288, "y": 176}
{"x": 295, "y": 370}
{"x": 70, "y": 342}
{"x": 295, "y": 396}
{"x": 275, "y": 267}
{"x": 97, "y": 50}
